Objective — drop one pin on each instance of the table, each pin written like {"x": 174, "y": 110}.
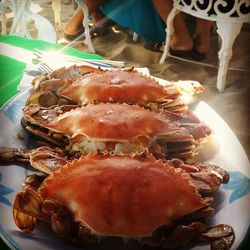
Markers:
{"x": 12, "y": 65}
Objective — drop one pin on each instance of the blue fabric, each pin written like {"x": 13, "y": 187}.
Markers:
{"x": 139, "y": 16}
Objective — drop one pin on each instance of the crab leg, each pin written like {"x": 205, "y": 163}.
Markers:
{"x": 174, "y": 239}
{"x": 206, "y": 177}
{"x": 9, "y": 155}
{"x": 45, "y": 159}
{"x": 39, "y": 114}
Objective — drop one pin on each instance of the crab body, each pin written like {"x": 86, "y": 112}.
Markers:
{"x": 114, "y": 127}
{"x": 129, "y": 196}
{"x": 117, "y": 86}
{"x": 206, "y": 177}
{"x": 116, "y": 190}
{"x": 122, "y": 195}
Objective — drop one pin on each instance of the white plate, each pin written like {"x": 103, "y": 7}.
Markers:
{"x": 232, "y": 202}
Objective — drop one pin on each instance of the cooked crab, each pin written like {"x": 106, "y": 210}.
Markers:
{"x": 114, "y": 127}
{"x": 125, "y": 196}
{"x": 122, "y": 86}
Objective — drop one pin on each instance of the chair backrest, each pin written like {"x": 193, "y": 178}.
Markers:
{"x": 234, "y": 10}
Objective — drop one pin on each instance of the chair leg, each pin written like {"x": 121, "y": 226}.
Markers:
{"x": 228, "y": 32}
{"x": 45, "y": 30}
{"x": 135, "y": 37}
{"x": 4, "y": 22}
{"x": 169, "y": 32}
{"x": 17, "y": 11}
{"x": 56, "y": 6}
{"x": 85, "y": 24}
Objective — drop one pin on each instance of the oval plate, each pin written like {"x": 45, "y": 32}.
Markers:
{"x": 231, "y": 202}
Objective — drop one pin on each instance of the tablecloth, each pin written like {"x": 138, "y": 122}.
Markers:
{"x": 12, "y": 65}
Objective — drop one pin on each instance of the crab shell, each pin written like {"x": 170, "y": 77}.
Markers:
{"x": 120, "y": 127}
{"x": 117, "y": 86}
{"x": 122, "y": 86}
{"x": 68, "y": 74}
{"x": 116, "y": 122}
{"x": 122, "y": 195}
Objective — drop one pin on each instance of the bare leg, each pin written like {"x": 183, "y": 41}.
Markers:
{"x": 74, "y": 25}
{"x": 202, "y": 35}
{"x": 180, "y": 39}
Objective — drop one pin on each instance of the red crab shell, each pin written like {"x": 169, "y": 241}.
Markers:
{"x": 111, "y": 122}
{"x": 123, "y": 86}
{"x": 121, "y": 195}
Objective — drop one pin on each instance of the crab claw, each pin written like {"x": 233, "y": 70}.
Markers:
{"x": 27, "y": 209}
{"x": 9, "y": 155}
{"x": 45, "y": 158}
{"x": 60, "y": 76}
{"x": 221, "y": 236}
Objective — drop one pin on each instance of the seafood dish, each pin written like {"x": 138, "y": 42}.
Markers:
{"x": 118, "y": 157}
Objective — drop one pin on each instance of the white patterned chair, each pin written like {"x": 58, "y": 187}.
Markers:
{"x": 56, "y": 5}
{"x": 22, "y": 15}
{"x": 229, "y": 16}
{"x": 85, "y": 24}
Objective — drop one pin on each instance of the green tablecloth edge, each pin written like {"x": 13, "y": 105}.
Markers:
{"x": 9, "y": 81}
{"x": 30, "y": 44}
{"x": 11, "y": 70}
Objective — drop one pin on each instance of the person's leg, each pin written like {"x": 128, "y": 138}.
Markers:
{"x": 202, "y": 35}
{"x": 74, "y": 25}
{"x": 180, "y": 39}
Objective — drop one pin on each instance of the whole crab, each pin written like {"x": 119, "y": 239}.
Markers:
{"x": 133, "y": 197}
{"x": 122, "y": 86}
{"x": 114, "y": 127}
